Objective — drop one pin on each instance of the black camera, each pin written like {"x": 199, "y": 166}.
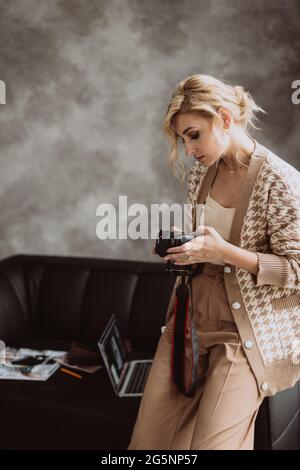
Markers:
{"x": 169, "y": 239}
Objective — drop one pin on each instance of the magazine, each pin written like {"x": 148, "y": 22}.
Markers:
{"x": 64, "y": 361}
{"x": 29, "y": 364}
{"x": 81, "y": 357}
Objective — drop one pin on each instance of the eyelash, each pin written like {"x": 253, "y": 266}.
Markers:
{"x": 193, "y": 137}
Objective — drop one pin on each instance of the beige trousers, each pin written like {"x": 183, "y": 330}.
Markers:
{"x": 222, "y": 413}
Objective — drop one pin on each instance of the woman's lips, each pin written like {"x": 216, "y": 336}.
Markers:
{"x": 199, "y": 158}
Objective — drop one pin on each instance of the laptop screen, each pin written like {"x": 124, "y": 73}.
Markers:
{"x": 113, "y": 351}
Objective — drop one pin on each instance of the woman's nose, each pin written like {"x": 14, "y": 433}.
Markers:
{"x": 190, "y": 152}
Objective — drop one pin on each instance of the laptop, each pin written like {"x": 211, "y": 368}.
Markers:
{"x": 128, "y": 377}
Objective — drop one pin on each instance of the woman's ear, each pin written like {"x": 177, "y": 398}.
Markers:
{"x": 225, "y": 116}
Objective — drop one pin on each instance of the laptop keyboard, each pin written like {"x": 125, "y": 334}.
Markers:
{"x": 138, "y": 378}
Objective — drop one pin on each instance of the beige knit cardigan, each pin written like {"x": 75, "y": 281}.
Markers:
{"x": 266, "y": 306}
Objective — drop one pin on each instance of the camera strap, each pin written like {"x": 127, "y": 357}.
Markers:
{"x": 185, "y": 345}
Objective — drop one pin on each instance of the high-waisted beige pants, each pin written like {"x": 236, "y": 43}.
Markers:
{"x": 222, "y": 413}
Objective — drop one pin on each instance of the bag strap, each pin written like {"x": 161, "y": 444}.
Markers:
{"x": 183, "y": 323}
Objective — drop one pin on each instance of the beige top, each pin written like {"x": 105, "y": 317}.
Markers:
{"x": 218, "y": 217}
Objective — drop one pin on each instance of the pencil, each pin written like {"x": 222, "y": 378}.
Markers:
{"x": 71, "y": 373}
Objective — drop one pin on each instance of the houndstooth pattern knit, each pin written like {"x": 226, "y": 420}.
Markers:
{"x": 271, "y": 226}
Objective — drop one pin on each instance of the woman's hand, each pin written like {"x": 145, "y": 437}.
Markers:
{"x": 208, "y": 247}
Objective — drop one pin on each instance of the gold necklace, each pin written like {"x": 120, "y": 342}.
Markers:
{"x": 227, "y": 168}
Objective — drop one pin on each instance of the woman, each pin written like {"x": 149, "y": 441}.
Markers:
{"x": 246, "y": 299}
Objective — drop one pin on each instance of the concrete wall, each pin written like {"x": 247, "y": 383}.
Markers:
{"x": 88, "y": 82}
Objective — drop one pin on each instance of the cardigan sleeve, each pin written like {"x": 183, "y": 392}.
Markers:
{"x": 281, "y": 267}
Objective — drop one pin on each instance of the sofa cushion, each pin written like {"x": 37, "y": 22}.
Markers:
{"x": 60, "y": 302}
{"x": 150, "y": 301}
{"x": 15, "y": 322}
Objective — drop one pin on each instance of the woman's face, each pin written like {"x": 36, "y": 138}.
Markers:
{"x": 202, "y": 139}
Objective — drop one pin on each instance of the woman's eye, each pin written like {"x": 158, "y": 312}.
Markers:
{"x": 195, "y": 136}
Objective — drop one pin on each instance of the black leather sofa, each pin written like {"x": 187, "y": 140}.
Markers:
{"x": 48, "y": 302}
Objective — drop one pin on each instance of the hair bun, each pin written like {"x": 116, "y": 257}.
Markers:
{"x": 241, "y": 95}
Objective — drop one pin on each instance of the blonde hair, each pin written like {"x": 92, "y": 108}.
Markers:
{"x": 205, "y": 94}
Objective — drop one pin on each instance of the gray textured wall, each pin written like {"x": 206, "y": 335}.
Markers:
{"x": 87, "y": 86}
